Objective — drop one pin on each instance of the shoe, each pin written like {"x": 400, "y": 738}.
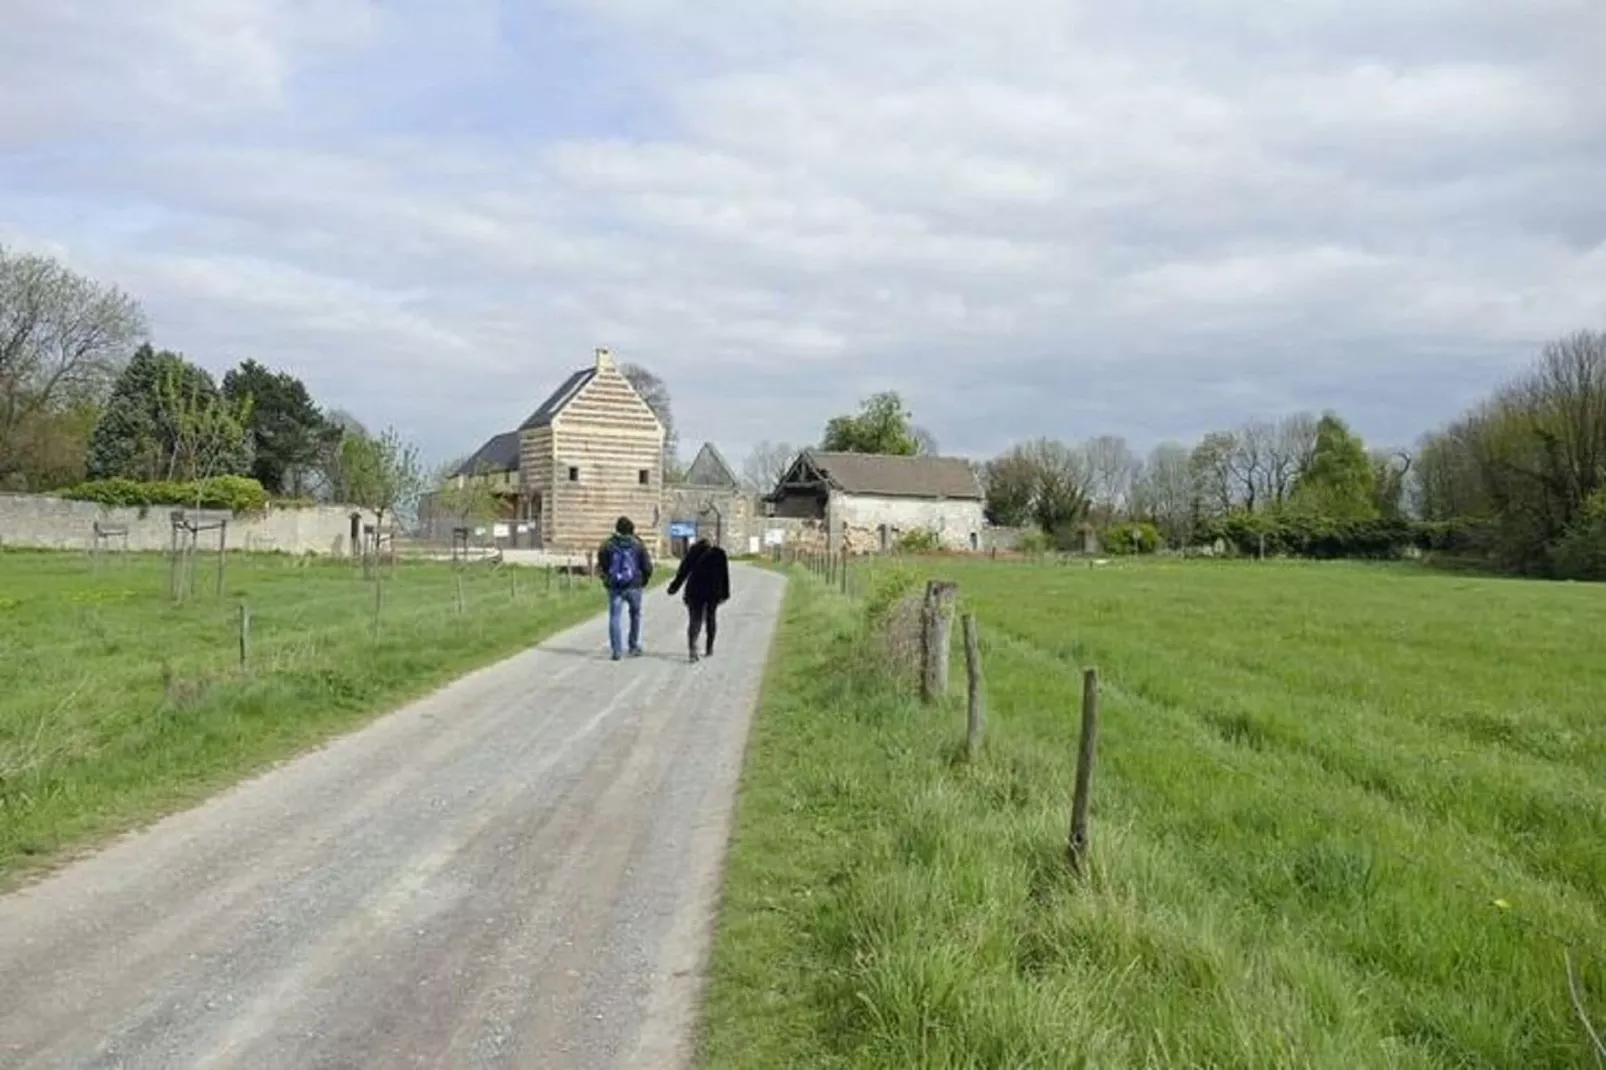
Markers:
{"x": 614, "y": 656}
{"x": 636, "y": 653}
{"x": 693, "y": 655}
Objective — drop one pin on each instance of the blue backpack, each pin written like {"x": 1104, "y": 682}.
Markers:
{"x": 622, "y": 570}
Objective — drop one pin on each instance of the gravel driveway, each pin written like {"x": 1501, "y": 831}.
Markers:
{"x": 520, "y": 870}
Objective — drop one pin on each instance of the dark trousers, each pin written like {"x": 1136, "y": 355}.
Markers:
{"x": 701, "y": 617}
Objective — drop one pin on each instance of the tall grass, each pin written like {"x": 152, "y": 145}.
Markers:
{"x": 116, "y": 704}
{"x": 1344, "y": 817}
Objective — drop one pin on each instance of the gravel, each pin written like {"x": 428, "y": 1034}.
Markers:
{"x": 520, "y": 870}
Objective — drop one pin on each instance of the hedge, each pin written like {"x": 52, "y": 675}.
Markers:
{"x": 236, "y": 493}
{"x": 1299, "y": 535}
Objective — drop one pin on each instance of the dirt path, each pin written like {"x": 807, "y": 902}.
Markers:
{"x": 518, "y": 871}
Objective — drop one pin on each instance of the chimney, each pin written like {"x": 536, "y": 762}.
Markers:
{"x": 604, "y": 360}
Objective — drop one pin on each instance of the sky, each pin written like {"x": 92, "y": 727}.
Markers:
{"x": 1067, "y": 218}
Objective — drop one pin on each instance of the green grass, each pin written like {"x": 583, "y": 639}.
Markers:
{"x": 118, "y": 705}
{"x": 1345, "y": 816}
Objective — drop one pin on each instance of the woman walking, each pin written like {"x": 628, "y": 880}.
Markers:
{"x": 705, "y": 574}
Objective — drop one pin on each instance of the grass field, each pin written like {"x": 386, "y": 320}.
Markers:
{"x": 1345, "y": 816}
{"x": 116, "y": 705}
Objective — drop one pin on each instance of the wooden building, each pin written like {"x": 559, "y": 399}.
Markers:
{"x": 592, "y": 452}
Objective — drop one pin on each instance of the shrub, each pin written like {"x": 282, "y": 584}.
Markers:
{"x": 236, "y": 493}
{"x": 1033, "y": 541}
{"x": 1580, "y": 554}
{"x": 1133, "y": 538}
{"x": 918, "y": 541}
{"x": 1300, "y": 534}
{"x": 888, "y": 586}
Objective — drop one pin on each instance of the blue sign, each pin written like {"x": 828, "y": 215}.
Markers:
{"x": 682, "y": 529}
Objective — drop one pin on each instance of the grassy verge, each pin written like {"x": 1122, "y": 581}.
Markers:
{"x": 1344, "y": 817}
{"x": 119, "y": 706}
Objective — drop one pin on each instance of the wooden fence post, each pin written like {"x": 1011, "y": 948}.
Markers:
{"x": 936, "y": 625}
{"x": 245, "y": 638}
{"x": 844, "y": 571}
{"x": 459, "y": 575}
{"x": 1078, "y": 846}
{"x": 973, "y": 711}
{"x": 379, "y": 597}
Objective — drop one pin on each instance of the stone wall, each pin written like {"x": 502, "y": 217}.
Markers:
{"x": 741, "y": 516}
{"x": 859, "y": 518}
{"x": 55, "y": 523}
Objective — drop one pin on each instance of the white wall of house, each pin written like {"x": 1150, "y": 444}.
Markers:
{"x": 955, "y": 521}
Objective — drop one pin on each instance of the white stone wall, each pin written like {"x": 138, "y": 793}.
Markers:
{"x": 43, "y": 522}
{"x": 954, "y": 521}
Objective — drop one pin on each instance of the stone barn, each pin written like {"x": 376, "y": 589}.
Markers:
{"x": 709, "y": 501}
{"x": 865, "y": 501}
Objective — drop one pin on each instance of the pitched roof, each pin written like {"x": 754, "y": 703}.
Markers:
{"x": 560, "y": 397}
{"x": 898, "y": 477}
{"x": 500, "y": 453}
{"x": 708, "y": 469}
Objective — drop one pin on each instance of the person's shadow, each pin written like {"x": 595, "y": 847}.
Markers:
{"x": 593, "y": 654}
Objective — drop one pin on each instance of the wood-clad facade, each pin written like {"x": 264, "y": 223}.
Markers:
{"x": 600, "y": 456}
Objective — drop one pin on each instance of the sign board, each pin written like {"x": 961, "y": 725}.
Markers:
{"x": 682, "y": 529}
{"x": 774, "y": 536}
{"x": 752, "y": 544}
{"x": 499, "y": 530}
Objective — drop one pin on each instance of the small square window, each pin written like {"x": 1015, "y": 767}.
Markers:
{"x": 644, "y": 477}
{"x": 574, "y": 474}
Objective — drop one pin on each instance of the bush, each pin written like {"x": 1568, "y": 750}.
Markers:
{"x": 888, "y": 587}
{"x": 1137, "y": 538}
{"x": 918, "y": 541}
{"x": 1033, "y": 541}
{"x": 235, "y": 493}
{"x": 1297, "y": 534}
{"x": 1580, "y": 554}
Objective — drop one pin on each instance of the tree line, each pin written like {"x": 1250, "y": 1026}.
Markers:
{"x": 90, "y": 408}
{"x": 1517, "y": 483}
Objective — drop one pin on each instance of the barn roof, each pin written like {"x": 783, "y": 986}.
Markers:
{"x": 500, "y": 453}
{"x": 560, "y": 397}
{"x": 708, "y": 469}
{"x": 897, "y": 477}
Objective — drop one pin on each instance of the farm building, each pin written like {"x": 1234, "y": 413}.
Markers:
{"x": 709, "y": 501}
{"x": 591, "y": 452}
{"x": 866, "y": 502}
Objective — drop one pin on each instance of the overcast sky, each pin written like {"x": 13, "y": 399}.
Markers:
{"x": 1031, "y": 217}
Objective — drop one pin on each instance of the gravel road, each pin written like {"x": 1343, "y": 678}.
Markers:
{"x": 520, "y": 870}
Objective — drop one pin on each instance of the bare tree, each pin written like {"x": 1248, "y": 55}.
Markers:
{"x": 925, "y": 441}
{"x": 1112, "y": 468}
{"x": 766, "y": 463}
{"x": 1165, "y": 492}
{"x": 62, "y": 339}
{"x": 1212, "y": 471}
{"x": 656, "y": 394}
{"x": 1288, "y": 454}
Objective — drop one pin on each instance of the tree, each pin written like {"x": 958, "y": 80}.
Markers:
{"x": 382, "y": 474}
{"x": 1212, "y": 471}
{"x": 285, "y": 426}
{"x": 208, "y": 433}
{"x": 1390, "y": 472}
{"x": 468, "y": 499}
{"x": 160, "y": 409}
{"x": 766, "y": 463}
{"x": 1111, "y": 467}
{"x": 656, "y": 395}
{"x": 1338, "y": 481}
{"x": 882, "y": 425}
{"x": 925, "y": 442}
{"x": 63, "y": 338}
{"x": 1288, "y": 453}
{"x": 1042, "y": 482}
{"x": 1164, "y": 493}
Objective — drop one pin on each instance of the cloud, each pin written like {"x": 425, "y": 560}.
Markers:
{"x": 1150, "y": 218}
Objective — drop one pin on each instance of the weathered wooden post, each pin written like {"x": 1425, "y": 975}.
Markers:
{"x": 974, "y": 715}
{"x": 245, "y": 638}
{"x": 1078, "y": 846}
{"x": 844, "y": 571}
{"x": 222, "y": 552}
{"x": 935, "y": 629}
{"x": 459, "y": 576}
{"x": 379, "y": 597}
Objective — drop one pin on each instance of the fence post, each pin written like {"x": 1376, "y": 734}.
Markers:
{"x": 934, "y": 632}
{"x": 379, "y": 597}
{"x": 459, "y": 575}
{"x": 973, "y": 711}
{"x": 245, "y": 638}
{"x": 1078, "y": 846}
{"x": 844, "y": 571}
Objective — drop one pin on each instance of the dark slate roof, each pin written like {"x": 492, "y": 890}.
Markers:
{"x": 560, "y": 397}
{"x": 898, "y": 477}
{"x": 499, "y": 454}
{"x": 708, "y": 469}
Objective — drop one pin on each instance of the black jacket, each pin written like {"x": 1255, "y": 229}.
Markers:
{"x": 625, "y": 544}
{"x": 705, "y": 574}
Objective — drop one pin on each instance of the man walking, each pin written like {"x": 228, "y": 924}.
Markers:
{"x": 705, "y": 574}
{"x": 625, "y": 567}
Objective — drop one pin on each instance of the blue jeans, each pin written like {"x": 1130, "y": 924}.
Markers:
{"x": 617, "y": 601}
